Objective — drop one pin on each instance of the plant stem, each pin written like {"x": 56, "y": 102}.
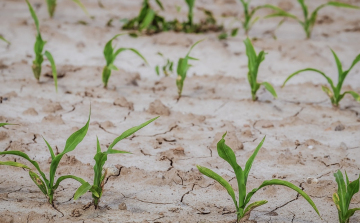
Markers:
{"x": 51, "y": 196}
{"x": 96, "y": 202}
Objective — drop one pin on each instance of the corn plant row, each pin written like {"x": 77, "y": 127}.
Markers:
{"x": 342, "y": 198}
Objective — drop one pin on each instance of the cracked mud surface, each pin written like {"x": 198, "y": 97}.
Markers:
{"x": 159, "y": 181}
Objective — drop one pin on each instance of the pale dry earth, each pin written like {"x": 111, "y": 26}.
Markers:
{"x": 159, "y": 181}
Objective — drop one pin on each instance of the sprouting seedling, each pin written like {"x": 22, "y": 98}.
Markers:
{"x": 147, "y": 19}
{"x": 110, "y": 55}
{"x": 51, "y": 5}
{"x": 309, "y": 19}
{"x": 242, "y": 208}
{"x": 182, "y": 68}
{"x": 49, "y": 186}
{"x": 5, "y": 40}
{"x": 191, "y": 4}
{"x": 254, "y": 62}
{"x": 38, "y": 49}
{"x": 343, "y": 196}
{"x": 167, "y": 68}
{"x": 249, "y": 19}
{"x": 100, "y": 158}
{"x": 334, "y": 93}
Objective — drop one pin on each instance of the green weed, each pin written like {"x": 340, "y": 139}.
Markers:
{"x": 167, "y": 68}
{"x": 3, "y": 124}
{"x": 182, "y": 68}
{"x": 51, "y": 5}
{"x": 343, "y": 196}
{"x": 49, "y": 186}
{"x": 335, "y": 92}
{"x": 242, "y": 208}
{"x": 309, "y": 19}
{"x": 110, "y": 55}
{"x": 100, "y": 158}
{"x": 254, "y": 62}
{"x": 38, "y": 49}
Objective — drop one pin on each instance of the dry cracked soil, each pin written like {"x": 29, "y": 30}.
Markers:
{"x": 158, "y": 182}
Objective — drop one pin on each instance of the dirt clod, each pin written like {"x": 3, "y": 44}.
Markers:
{"x": 122, "y": 206}
{"x": 122, "y": 102}
{"x": 158, "y": 108}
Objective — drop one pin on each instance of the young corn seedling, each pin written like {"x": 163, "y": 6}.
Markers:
{"x": 191, "y": 4}
{"x": 51, "y": 5}
{"x": 249, "y": 19}
{"x": 147, "y": 19}
{"x": 110, "y": 55}
{"x": 243, "y": 208}
{"x": 254, "y": 62}
{"x": 3, "y": 124}
{"x": 167, "y": 68}
{"x": 343, "y": 196}
{"x": 48, "y": 185}
{"x": 309, "y": 19}
{"x": 334, "y": 93}
{"x": 182, "y": 68}
{"x": 38, "y": 49}
{"x": 100, "y": 158}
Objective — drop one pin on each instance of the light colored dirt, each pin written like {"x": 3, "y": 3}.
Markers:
{"x": 159, "y": 181}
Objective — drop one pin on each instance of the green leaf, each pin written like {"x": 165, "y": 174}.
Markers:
{"x": 328, "y": 92}
{"x": 15, "y": 164}
{"x": 270, "y": 88}
{"x": 354, "y": 94}
{"x": 250, "y": 161}
{"x": 356, "y": 60}
{"x": 82, "y": 7}
{"x": 25, "y": 156}
{"x": 159, "y": 4}
{"x": 129, "y": 132}
{"x": 220, "y": 180}
{"x": 192, "y": 47}
{"x": 234, "y": 32}
{"x": 157, "y": 70}
{"x": 341, "y": 192}
{"x": 50, "y": 149}
{"x": 3, "y": 124}
{"x": 352, "y": 189}
{"x": 33, "y": 14}
{"x": 310, "y": 69}
{"x": 338, "y": 64}
{"x": 150, "y": 15}
{"x": 351, "y": 212}
{"x": 70, "y": 145}
{"x": 228, "y": 155}
{"x": 344, "y": 5}
{"x": 286, "y": 184}
{"x": 82, "y": 190}
{"x": 80, "y": 180}
{"x": 139, "y": 54}
{"x": 53, "y": 67}
{"x": 254, "y": 205}
{"x": 2, "y": 38}
{"x": 37, "y": 180}
{"x": 112, "y": 67}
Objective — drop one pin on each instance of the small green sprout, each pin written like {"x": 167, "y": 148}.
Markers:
{"x": 110, "y": 55}
{"x": 182, "y": 68}
{"x": 254, "y": 62}
{"x": 3, "y": 39}
{"x": 167, "y": 68}
{"x": 249, "y": 14}
{"x": 49, "y": 186}
{"x": 309, "y": 19}
{"x": 335, "y": 92}
{"x": 242, "y": 208}
{"x": 100, "y": 158}
{"x": 343, "y": 196}
{"x": 51, "y": 5}
{"x": 38, "y": 49}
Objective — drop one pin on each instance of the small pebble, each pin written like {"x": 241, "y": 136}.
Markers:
{"x": 310, "y": 147}
{"x": 312, "y": 180}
